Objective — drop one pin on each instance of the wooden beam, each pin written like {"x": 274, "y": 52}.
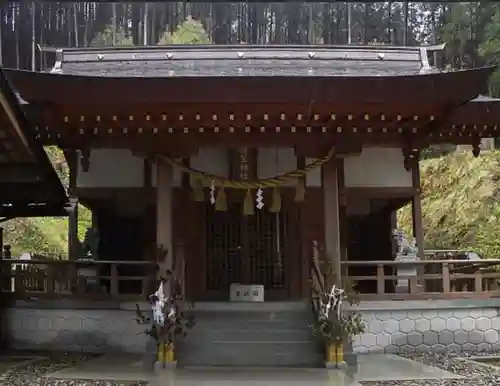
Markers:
{"x": 19, "y": 173}
{"x": 416, "y": 209}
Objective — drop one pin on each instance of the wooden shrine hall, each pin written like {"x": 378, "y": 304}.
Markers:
{"x": 29, "y": 185}
{"x": 238, "y": 158}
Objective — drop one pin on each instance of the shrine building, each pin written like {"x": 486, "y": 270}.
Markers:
{"x": 242, "y": 163}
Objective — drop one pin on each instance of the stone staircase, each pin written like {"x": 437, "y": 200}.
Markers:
{"x": 268, "y": 334}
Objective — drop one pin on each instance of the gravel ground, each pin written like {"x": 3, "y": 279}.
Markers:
{"x": 33, "y": 374}
{"x": 476, "y": 374}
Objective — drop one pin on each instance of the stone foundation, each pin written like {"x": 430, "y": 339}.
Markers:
{"x": 74, "y": 327}
{"x": 392, "y": 326}
{"x": 434, "y": 325}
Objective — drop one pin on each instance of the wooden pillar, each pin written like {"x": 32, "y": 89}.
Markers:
{"x": 1, "y": 242}
{"x": 73, "y": 241}
{"x": 416, "y": 208}
{"x": 343, "y": 221}
{"x": 164, "y": 176}
{"x": 332, "y": 225}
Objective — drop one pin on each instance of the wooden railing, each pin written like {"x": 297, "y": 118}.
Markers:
{"x": 428, "y": 279}
{"x": 86, "y": 279}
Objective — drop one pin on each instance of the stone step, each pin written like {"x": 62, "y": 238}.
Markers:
{"x": 251, "y": 335}
{"x": 248, "y": 354}
{"x": 200, "y": 333}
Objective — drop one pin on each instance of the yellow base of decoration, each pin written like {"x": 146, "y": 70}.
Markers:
{"x": 166, "y": 353}
{"x": 335, "y": 353}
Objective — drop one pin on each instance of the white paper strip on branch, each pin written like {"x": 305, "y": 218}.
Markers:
{"x": 259, "y": 200}
{"x": 158, "y": 305}
{"x": 212, "y": 193}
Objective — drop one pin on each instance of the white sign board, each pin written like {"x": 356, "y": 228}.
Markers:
{"x": 246, "y": 292}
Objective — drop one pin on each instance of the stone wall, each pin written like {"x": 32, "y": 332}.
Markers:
{"x": 74, "y": 327}
{"x": 392, "y": 326}
{"x": 423, "y": 326}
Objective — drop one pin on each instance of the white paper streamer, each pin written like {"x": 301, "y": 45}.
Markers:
{"x": 259, "y": 200}
{"x": 212, "y": 193}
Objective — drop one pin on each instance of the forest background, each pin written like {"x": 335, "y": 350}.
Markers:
{"x": 460, "y": 194}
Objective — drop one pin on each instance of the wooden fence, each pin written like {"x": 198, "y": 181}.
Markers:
{"x": 100, "y": 280}
{"x": 428, "y": 279}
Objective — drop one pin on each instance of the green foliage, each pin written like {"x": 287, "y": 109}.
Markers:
{"x": 46, "y": 235}
{"x": 490, "y": 50}
{"x": 189, "y": 32}
{"x": 105, "y": 38}
{"x": 334, "y": 329}
{"x": 460, "y": 205}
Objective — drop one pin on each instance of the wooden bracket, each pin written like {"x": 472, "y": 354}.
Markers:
{"x": 411, "y": 156}
{"x": 476, "y": 147}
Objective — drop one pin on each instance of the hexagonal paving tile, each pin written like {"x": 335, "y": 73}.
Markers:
{"x": 422, "y": 325}
{"x": 407, "y": 349}
{"x": 476, "y": 337}
{"x": 390, "y": 326}
{"x": 368, "y": 340}
{"x": 484, "y": 347}
{"x": 477, "y": 313}
{"x": 375, "y": 327}
{"x": 422, "y": 348}
{"x": 391, "y": 349}
{"x": 453, "y": 324}
{"x": 490, "y": 313}
{"x": 399, "y": 338}
{"x": 398, "y": 315}
{"x": 383, "y": 339}
{"x": 469, "y": 347}
{"x": 438, "y": 325}
{"x": 414, "y": 315}
{"x": 407, "y": 325}
{"x": 429, "y": 314}
{"x": 495, "y": 323}
{"x": 440, "y": 348}
{"x": 445, "y": 337}
{"x": 491, "y": 336}
{"x": 430, "y": 338}
{"x": 415, "y": 338}
{"x": 483, "y": 323}
{"x": 468, "y": 324}
{"x": 460, "y": 337}
{"x": 445, "y": 314}
{"x": 383, "y": 316}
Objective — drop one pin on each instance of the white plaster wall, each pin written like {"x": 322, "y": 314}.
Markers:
{"x": 377, "y": 168}
{"x": 211, "y": 160}
{"x": 272, "y": 162}
{"x": 111, "y": 168}
{"x": 313, "y": 178}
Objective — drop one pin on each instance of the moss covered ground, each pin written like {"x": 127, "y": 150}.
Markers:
{"x": 461, "y": 207}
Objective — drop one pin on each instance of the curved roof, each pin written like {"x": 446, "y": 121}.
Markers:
{"x": 243, "y": 60}
{"x": 29, "y": 185}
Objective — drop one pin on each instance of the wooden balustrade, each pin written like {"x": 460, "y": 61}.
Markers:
{"x": 87, "y": 279}
{"x": 428, "y": 279}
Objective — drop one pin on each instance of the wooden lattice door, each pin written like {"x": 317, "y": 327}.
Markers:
{"x": 247, "y": 250}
